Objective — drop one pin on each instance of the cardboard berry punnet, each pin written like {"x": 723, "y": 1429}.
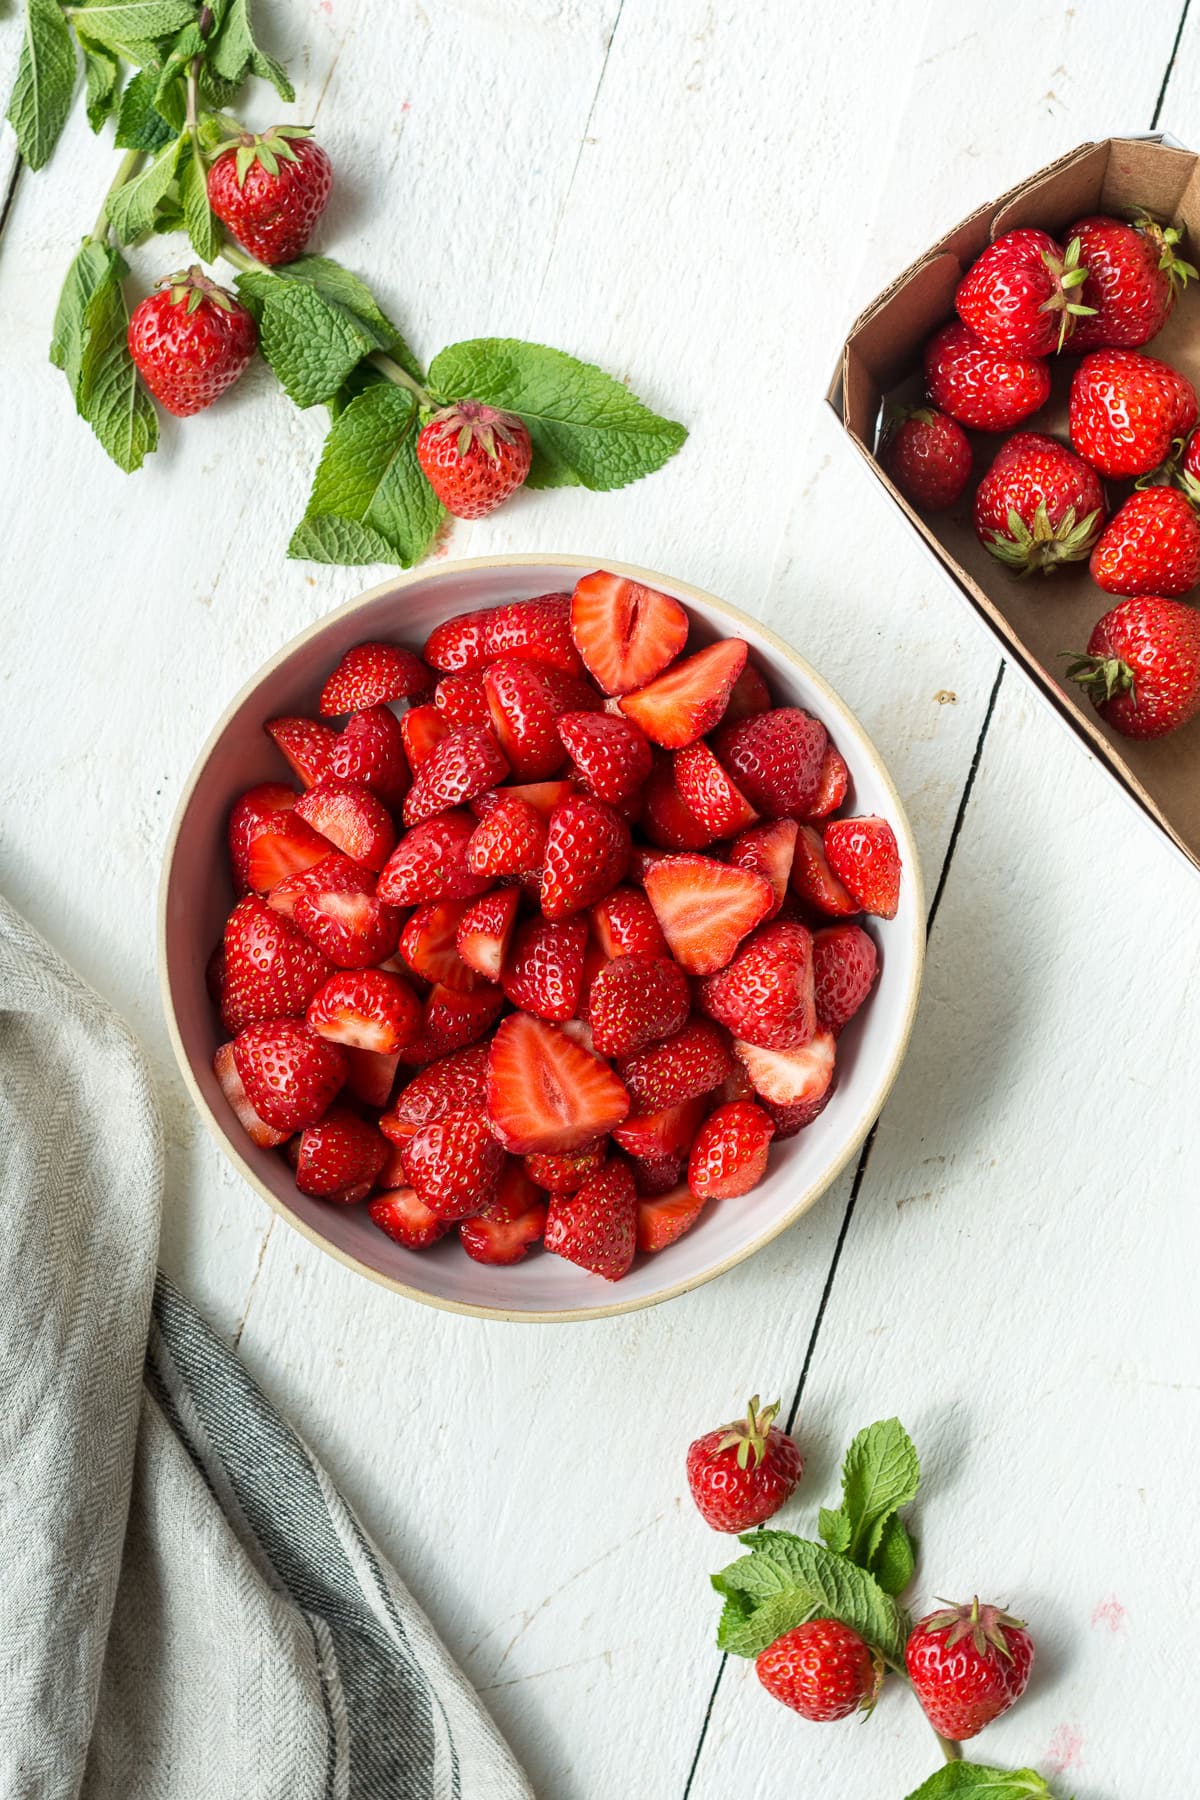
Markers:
{"x": 1037, "y": 618}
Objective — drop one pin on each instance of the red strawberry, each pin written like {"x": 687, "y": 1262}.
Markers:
{"x": 254, "y": 812}
{"x": 335, "y": 905}
{"x": 453, "y": 1164}
{"x": 371, "y": 1075}
{"x": 538, "y": 629}
{"x": 835, "y": 784}
{"x": 689, "y": 699}
{"x": 259, "y": 1132}
{"x": 422, "y": 728}
{"x": 543, "y": 796}
{"x": 367, "y": 1009}
{"x": 740, "y": 1474}
{"x": 706, "y": 908}
{"x": 430, "y": 863}
{"x": 844, "y": 965}
{"x": 545, "y": 967}
{"x": 504, "y": 1231}
{"x": 865, "y": 858}
{"x": 463, "y": 700}
{"x": 271, "y": 969}
{"x": 626, "y": 633}
{"x": 290, "y": 1076}
{"x": 1189, "y": 468}
{"x": 927, "y": 455}
{"x": 1126, "y": 410}
{"x": 340, "y": 1157}
{"x": 1133, "y": 277}
{"x": 1021, "y": 294}
{"x": 770, "y": 851}
{"x": 485, "y": 929}
{"x": 190, "y": 341}
{"x": 968, "y": 1664}
{"x": 587, "y": 854}
{"x": 729, "y": 1156}
{"x": 765, "y": 995}
{"x": 306, "y": 744}
{"x": 669, "y": 1131}
{"x": 777, "y": 759}
{"x": 664, "y": 1219}
{"x": 429, "y": 945}
{"x": 983, "y": 388}
{"x": 467, "y": 762}
{"x": 267, "y": 842}
{"x": 800, "y": 1114}
{"x": 510, "y": 839}
{"x": 1151, "y": 546}
{"x": 691, "y": 1062}
{"x": 456, "y": 1083}
{"x": 709, "y": 794}
{"x": 546, "y": 1092}
{"x": 611, "y": 754}
{"x": 749, "y": 694}
{"x": 654, "y": 1176}
{"x": 565, "y": 1171}
{"x": 270, "y": 189}
{"x": 821, "y": 1669}
{"x": 667, "y": 819}
{"x": 634, "y": 1001}
{"x": 790, "y": 1077}
{"x": 474, "y": 456}
{"x": 1142, "y": 667}
{"x": 370, "y": 750}
{"x": 374, "y": 675}
{"x": 814, "y": 881}
{"x": 352, "y": 818}
{"x": 596, "y": 1228}
{"x": 453, "y": 1020}
{"x": 407, "y": 1219}
{"x": 1038, "y": 505}
{"x": 523, "y": 715}
{"x": 623, "y": 924}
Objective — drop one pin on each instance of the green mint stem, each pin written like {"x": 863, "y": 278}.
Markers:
{"x": 126, "y": 169}
{"x": 950, "y": 1750}
{"x": 239, "y": 259}
{"x": 400, "y": 376}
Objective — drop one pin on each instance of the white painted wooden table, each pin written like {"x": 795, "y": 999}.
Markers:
{"x": 699, "y": 196}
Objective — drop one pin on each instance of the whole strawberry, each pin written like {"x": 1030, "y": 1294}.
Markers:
{"x": 474, "y": 457}
{"x": 1021, "y": 294}
{"x": 743, "y": 1472}
{"x": 1151, "y": 546}
{"x": 821, "y": 1669}
{"x": 190, "y": 341}
{"x": 928, "y": 457}
{"x": 1133, "y": 277}
{"x": 983, "y": 388}
{"x": 968, "y": 1664}
{"x": 269, "y": 189}
{"x": 1038, "y": 505}
{"x": 1127, "y": 409}
{"x": 1142, "y": 667}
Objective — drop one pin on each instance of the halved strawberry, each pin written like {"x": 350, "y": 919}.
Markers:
{"x": 769, "y": 850}
{"x": 668, "y": 1131}
{"x": 635, "y": 1000}
{"x": 596, "y": 1227}
{"x": 462, "y": 700}
{"x": 750, "y": 694}
{"x": 789, "y": 1120}
{"x": 369, "y": 751}
{"x": 667, "y": 819}
{"x": 787, "y": 1077}
{"x": 251, "y": 814}
{"x": 623, "y": 924}
{"x": 706, "y": 908}
{"x": 814, "y": 881}
{"x": 765, "y": 995}
{"x": 662, "y": 1221}
{"x": 335, "y": 905}
{"x": 563, "y": 1171}
{"x": 429, "y": 945}
{"x": 467, "y": 762}
{"x": 367, "y": 1009}
{"x": 587, "y": 853}
{"x": 371, "y": 1076}
{"x": 456, "y": 1083}
{"x": 834, "y": 785}
{"x": 709, "y": 794}
{"x": 340, "y": 1157}
{"x": 352, "y": 818}
{"x": 374, "y": 675}
{"x": 543, "y": 796}
{"x": 545, "y": 967}
{"x": 453, "y": 1164}
{"x": 271, "y": 969}
{"x": 430, "y": 863}
{"x": 690, "y": 698}
{"x": 610, "y": 753}
{"x": 452, "y": 1020}
{"x": 546, "y": 1092}
{"x": 305, "y": 743}
{"x": 689, "y": 1063}
{"x": 522, "y": 710}
{"x": 729, "y": 1156}
{"x": 485, "y": 929}
{"x": 776, "y": 758}
{"x": 864, "y": 856}
{"x": 510, "y": 839}
{"x": 256, "y": 1129}
{"x": 290, "y": 1076}
{"x": 625, "y": 633}
{"x": 277, "y": 845}
{"x": 422, "y": 729}
{"x": 506, "y": 1229}
{"x": 844, "y": 964}
{"x": 406, "y": 1219}
{"x": 538, "y": 629}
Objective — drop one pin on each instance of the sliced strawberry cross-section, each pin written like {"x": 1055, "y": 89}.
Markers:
{"x": 690, "y": 698}
{"x": 366, "y": 1009}
{"x": 706, "y": 908}
{"x": 813, "y": 879}
{"x": 422, "y": 729}
{"x": 429, "y": 945}
{"x": 406, "y": 1219}
{"x": 352, "y": 818}
{"x": 769, "y": 850}
{"x": 335, "y": 904}
{"x": 626, "y": 633}
{"x": 256, "y": 1129}
{"x": 663, "y": 1220}
{"x": 787, "y": 1077}
{"x": 485, "y": 929}
{"x": 546, "y": 1092}
{"x": 505, "y": 1231}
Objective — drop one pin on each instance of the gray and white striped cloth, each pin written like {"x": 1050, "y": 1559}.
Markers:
{"x": 188, "y": 1608}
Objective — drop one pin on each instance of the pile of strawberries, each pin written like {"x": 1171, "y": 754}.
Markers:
{"x": 1132, "y": 419}
{"x": 554, "y": 953}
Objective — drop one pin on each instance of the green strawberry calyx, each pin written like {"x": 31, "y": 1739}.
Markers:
{"x": 1069, "y": 273}
{"x": 1022, "y": 549}
{"x": 471, "y": 422}
{"x": 1164, "y": 238}
{"x": 748, "y": 1435}
{"x": 267, "y": 148}
{"x": 194, "y": 287}
{"x": 984, "y": 1625}
{"x": 1101, "y": 677}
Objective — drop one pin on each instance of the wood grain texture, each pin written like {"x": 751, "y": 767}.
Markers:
{"x": 701, "y": 204}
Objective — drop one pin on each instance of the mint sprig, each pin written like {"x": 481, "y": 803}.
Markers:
{"x": 982, "y": 1783}
{"x": 880, "y": 1474}
{"x": 786, "y": 1581}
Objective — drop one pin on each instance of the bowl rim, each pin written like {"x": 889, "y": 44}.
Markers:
{"x": 868, "y": 1113}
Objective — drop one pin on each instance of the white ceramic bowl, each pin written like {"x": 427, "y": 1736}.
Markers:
{"x": 197, "y": 894}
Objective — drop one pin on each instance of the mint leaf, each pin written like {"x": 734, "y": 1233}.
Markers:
{"x": 311, "y": 345}
{"x": 786, "y": 1581}
{"x": 234, "y": 52}
{"x": 587, "y": 429}
{"x": 127, "y": 24}
{"x": 101, "y": 70}
{"x": 368, "y": 476}
{"x": 880, "y": 1473}
{"x": 982, "y": 1783}
{"x": 193, "y": 193}
{"x": 92, "y": 265}
{"x": 90, "y": 346}
{"x": 140, "y": 126}
{"x": 41, "y": 96}
{"x": 894, "y": 1560}
{"x": 346, "y": 292}
{"x": 170, "y": 92}
{"x": 131, "y": 209}
{"x": 834, "y": 1527}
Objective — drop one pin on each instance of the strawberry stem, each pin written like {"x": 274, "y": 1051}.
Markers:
{"x": 126, "y": 169}
{"x": 950, "y": 1750}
